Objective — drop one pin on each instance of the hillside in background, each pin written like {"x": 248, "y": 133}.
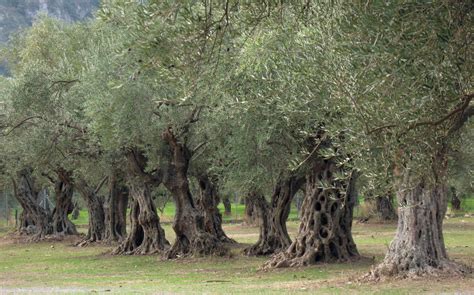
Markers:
{"x": 18, "y": 14}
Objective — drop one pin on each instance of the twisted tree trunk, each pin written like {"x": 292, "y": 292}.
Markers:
{"x": 36, "y": 221}
{"x": 64, "y": 206}
{"x": 207, "y": 202}
{"x": 273, "y": 232}
{"x": 189, "y": 225}
{"x": 146, "y": 235}
{"x": 418, "y": 247}
{"x": 325, "y": 230}
{"x": 95, "y": 207}
{"x": 115, "y": 208}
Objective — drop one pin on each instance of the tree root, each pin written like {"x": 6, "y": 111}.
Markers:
{"x": 263, "y": 248}
{"x": 392, "y": 270}
{"x": 203, "y": 244}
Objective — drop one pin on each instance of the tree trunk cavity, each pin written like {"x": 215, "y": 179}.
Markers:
{"x": 274, "y": 235}
{"x": 324, "y": 234}
{"x": 115, "y": 207}
{"x": 146, "y": 235}
{"x": 35, "y": 221}
{"x": 189, "y": 223}
{"x": 64, "y": 206}
{"x": 207, "y": 203}
{"x": 418, "y": 247}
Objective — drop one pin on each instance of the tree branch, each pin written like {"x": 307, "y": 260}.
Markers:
{"x": 101, "y": 183}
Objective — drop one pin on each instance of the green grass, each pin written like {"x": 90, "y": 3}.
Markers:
{"x": 168, "y": 214}
{"x": 54, "y": 267}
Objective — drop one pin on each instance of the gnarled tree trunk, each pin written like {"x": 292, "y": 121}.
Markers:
{"x": 64, "y": 206}
{"x": 189, "y": 225}
{"x": 207, "y": 202}
{"x": 273, "y": 232}
{"x": 36, "y": 220}
{"x": 115, "y": 208}
{"x": 325, "y": 230}
{"x": 146, "y": 235}
{"x": 95, "y": 207}
{"x": 418, "y": 247}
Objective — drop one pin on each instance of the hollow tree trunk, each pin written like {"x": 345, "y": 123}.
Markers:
{"x": 273, "y": 232}
{"x": 64, "y": 206}
{"x": 324, "y": 234}
{"x": 115, "y": 208}
{"x": 207, "y": 202}
{"x": 418, "y": 247}
{"x": 146, "y": 235}
{"x": 189, "y": 223}
{"x": 95, "y": 207}
{"x": 385, "y": 208}
{"x": 36, "y": 220}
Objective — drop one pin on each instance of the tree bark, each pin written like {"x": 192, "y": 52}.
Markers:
{"x": 207, "y": 202}
{"x": 274, "y": 236}
{"x": 325, "y": 230}
{"x": 250, "y": 216}
{"x": 115, "y": 208}
{"x": 455, "y": 200}
{"x": 385, "y": 208}
{"x": 64, "y": 206}
{"x": 189, "y": 224}
{"x": 146, "y": 235}
{"x": 35, "y": 220}
{"x": 418, "y": 247}
{"x": 227, "y": 206}
{"x": 95, "y": 207}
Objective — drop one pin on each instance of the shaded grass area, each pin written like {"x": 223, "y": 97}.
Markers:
{"x": 54, "y": 267}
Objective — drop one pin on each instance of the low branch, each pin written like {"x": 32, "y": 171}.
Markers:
{"x": 21, "y": 123}
{"x": 463, "y": 108}
{"x": 101, "y": 183}
{"x": 65, "y": 82}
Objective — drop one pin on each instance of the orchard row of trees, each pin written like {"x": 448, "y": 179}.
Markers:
{"x": 262, "y": 97}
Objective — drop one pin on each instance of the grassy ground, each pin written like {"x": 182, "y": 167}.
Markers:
{"x": 167, "y": 215}
{"x": 53, "y": 267}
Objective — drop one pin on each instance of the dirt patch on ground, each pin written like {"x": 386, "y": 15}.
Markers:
{"x": 13, "y": 238}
